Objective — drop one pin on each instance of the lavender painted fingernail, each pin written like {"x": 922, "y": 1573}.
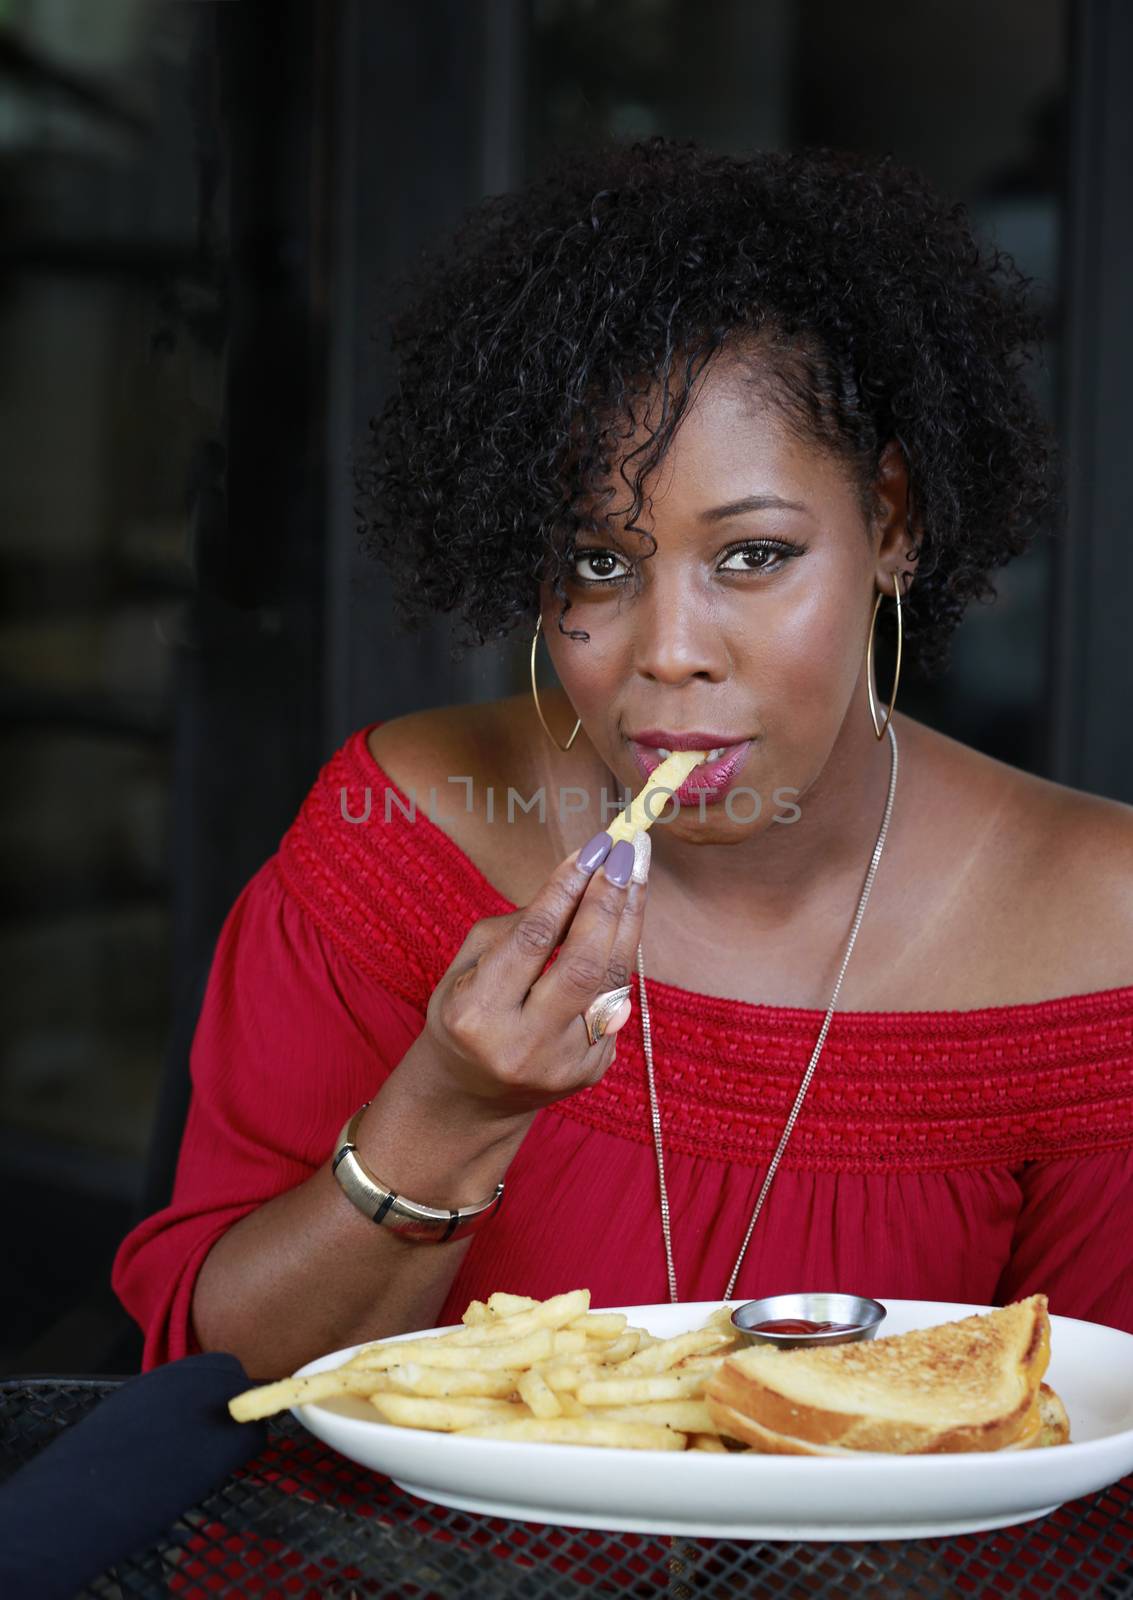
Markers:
{"x": 619, "y": 863}
{"x": 594, "y": 852}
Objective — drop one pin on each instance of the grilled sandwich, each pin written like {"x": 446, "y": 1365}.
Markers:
{"x": 974, "y": 1384}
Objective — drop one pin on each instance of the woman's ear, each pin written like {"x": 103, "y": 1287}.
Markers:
{"x": 893, "y": 527}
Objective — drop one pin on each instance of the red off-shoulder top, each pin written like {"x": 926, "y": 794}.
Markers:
{"x": 973, "y": 1156}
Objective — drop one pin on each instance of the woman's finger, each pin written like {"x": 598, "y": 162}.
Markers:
{"x": 579, "y": 971}
{"x": 622, "y": 964}
{"x": 595, "y": 957}
{"x": 512, "y": 964}
{"x": 622, "y": 961}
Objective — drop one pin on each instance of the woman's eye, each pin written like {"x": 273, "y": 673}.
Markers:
{"x": 600, "y": 563}
{"x": 760, "y": 557}
{"x": 600, "y": 567}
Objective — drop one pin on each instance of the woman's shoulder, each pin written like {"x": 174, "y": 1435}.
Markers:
{"x": 483, "y": 741}
{"x": 373, "y": 857}
{"x": 479, "y": 767}
{"x": 1082, "y": 844}
{"x": 1068, "y": 827}
{"x": 1058, "y": 860}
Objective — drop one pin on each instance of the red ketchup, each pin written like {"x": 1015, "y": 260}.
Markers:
{"x": 800, "y": 1325}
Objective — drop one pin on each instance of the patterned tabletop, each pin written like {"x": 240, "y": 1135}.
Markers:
{"x": 302, "y": 1521}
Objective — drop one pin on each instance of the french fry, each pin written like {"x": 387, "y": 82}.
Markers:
{"x": 449, "y": 1383}
{"x": 441, "y": 1352}
{"x": 441, "y": 1416}
{"x": 269, "y": 1398}
{"x": 709, "y": 1442}
{"x": 705, "y": 1364}
{"x": 476, "y": 1314}
{"x": 364, "y": 1356}
{"x": 508, "y": 1305}
{"x": 631, "y": 1391}
{"x": 540, "y": 1400}
{"x": 601, "y": 1324}
{"x": 649, "y": 804}
{"x": 687, "y": 1416}
{"x": 660, "y": 1357}
{"x": 626, "y": 1344}
{"x": 580, "y": 1430}
{"x": 564, "y": 1377}
{"x": 554, "y": 1314}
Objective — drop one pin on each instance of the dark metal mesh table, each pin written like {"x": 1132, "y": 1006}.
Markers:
{"x": 303, "y": 1521}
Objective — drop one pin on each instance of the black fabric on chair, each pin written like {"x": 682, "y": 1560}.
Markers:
{"x": 118, "y": 1478}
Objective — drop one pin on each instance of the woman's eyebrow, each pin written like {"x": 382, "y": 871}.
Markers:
{"x": 751, "y": 502}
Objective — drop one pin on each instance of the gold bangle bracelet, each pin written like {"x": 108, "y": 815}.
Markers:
{"x": 416, "y": 1223}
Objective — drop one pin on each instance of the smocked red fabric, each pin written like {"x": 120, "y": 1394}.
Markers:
{"x": 973, "y": 1156}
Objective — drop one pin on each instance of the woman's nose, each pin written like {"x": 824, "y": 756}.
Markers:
{"x": 676, "y": 638}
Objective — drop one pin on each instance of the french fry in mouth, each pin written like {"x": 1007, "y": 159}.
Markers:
{"x": 644, "y": 809}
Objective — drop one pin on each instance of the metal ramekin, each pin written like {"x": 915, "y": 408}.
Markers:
{"x": 866, "y": 1316}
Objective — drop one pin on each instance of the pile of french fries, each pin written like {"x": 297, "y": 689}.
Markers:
{"x": 549, "y": 1371}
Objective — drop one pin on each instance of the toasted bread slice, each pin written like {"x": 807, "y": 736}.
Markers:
{"x": 966, "y": 1385}
{"x": 1048, "y": 1424}
{"x": 1054, "y": 1422}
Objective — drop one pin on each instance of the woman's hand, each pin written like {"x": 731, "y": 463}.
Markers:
{"x": 306, "y": 1272}
{"x": 508, "y": 1037}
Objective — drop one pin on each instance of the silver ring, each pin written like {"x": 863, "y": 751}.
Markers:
{"x": 599, "y": 1012}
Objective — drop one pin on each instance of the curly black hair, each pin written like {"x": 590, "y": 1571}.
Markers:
{"x": 530, "y": 336}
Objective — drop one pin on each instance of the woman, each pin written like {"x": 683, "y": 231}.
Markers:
{"x": 695, "y": 420}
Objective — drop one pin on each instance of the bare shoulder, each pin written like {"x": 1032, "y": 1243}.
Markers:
{"x": 1082, "y": 841}
{"x": 1090, "y": 888}
{"x": 428, "y": 748}
{"x": 1057, "y": 862}
{"x": 1090, "y": 845}
{"x": 450, "y": 759}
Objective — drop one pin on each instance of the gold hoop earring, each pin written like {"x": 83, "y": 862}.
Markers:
{"x": 880, "y": 732}
{"x": 535, "y": 692}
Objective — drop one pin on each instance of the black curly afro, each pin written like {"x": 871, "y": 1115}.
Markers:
{"x": 529, "y": 339}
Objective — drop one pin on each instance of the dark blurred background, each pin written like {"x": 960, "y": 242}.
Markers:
{"x": 203, "y": 204}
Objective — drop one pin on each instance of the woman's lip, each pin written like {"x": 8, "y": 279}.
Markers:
{"x": 709, "y": 779}
{"x": 660, "y": 738}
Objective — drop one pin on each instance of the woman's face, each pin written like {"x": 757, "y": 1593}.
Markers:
{"x": 750, "y": 622}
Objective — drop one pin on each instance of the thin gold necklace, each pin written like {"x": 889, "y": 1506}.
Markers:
{"x": 655, "y": 1111}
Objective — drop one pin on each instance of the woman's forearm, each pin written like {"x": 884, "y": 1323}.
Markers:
{"x": 306, "y": 1272}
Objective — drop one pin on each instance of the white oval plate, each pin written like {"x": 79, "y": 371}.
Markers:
{"x": 753, "y": 1496}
